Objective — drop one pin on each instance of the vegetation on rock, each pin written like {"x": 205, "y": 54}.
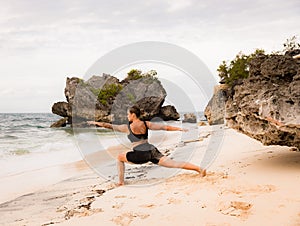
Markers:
{"x": 105, "y": 98}
{"x": 107, "y": 92}
{"x": 136, "y": 74}
{"x": 238, "y": 67}
{"x": 291, "y": 44}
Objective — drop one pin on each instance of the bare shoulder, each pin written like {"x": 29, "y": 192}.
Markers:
{"x": 154, "y": 126}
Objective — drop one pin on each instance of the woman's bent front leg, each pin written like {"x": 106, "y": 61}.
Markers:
{"x": 121, "y": 167}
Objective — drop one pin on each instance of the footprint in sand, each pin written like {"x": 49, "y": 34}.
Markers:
{"x": 126, "y": 218}
{"x": 120, "y": 196}
{"x": 256, "y": 190}
{"x": 82, "y": 208}
{"x": 117, "y": 206}
{"x": 214, "y": 177}
{"x": 174, "y": 201}
{"x": 211, "y": 177}
{"x": 235, "y": 208}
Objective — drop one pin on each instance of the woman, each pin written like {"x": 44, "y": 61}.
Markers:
{"x": 137, "y": 133}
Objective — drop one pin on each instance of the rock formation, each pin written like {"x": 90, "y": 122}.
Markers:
{"x": 169, "y": 113}
{"x": 215, "y": 109}
{"x": 266, "y": 105}
{"x": 60, "y": 123}
{"x": 104, "y": 98}
{"x": 189, "y": 117}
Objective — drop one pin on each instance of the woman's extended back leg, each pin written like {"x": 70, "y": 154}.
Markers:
{"x": 170, "y": 163}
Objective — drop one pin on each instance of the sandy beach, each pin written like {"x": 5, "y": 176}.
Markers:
{"x": 247, "y": 184}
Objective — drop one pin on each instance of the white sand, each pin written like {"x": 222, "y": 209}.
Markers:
{"x": 247, "y": 184}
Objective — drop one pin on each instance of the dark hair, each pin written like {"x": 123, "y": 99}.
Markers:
{"x": 135, "y": 110}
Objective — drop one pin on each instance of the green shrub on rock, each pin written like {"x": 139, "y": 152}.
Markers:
{"x": 107, "y": 92}
{"x": 136, "y": 74}
{"x": 238, "y": 67}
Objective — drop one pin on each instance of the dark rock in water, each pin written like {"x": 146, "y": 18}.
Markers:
{"x": 62, "y": 109}
{"x": 189, "y": 117}
{"x": 60, "y": 123}
{"x": 169, "y": 112}
{"x": 266, "y": 105}
{"x": 105, "y": 98}
{"x": 215, "y": 109}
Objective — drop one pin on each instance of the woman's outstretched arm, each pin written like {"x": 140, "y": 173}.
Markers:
{"x": 158, "y": 126}
{"x": 120, "y": 128}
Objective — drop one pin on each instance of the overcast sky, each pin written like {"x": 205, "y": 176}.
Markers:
{"x": 43, "y": 42}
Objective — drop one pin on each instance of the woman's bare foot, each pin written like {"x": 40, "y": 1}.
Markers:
{"x": 120, "y": 184}
{"x": 202, "y": 172}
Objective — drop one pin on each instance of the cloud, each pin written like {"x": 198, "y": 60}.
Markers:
{"x": 47, "y": 24}
{"x": 178, "y": 5}
{"x": 63, "y": 37}
{"x": 40, "y": 25}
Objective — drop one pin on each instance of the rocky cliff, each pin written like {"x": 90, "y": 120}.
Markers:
{"x": 105, "y": 98}
{"x": 266, "y": 105}
{"x": 215, "y": 109}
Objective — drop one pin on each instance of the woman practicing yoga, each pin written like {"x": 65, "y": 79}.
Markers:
{"x": 137, "y": 132}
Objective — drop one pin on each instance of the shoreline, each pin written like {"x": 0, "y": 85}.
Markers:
{"x": 247, "y": 184}
{"x": 21, "y": 183}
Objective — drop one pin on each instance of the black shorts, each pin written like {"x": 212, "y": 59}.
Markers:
{"x": 144, "y": 153}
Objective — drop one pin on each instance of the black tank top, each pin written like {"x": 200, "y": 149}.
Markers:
{"x": 137, "y": 137}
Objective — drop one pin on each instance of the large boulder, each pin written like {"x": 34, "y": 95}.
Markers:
{"x": 215, "y": 109}
{"x": 146, "y": 93}
{"x": 104, "y": 98}
{"x": 62, "y": 109}
{"x": 60, "y": 123}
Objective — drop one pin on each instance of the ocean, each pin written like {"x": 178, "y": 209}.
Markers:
{"x": 27, "y": 142}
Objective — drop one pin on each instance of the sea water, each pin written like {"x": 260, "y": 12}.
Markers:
{"x": 27, "y": 142}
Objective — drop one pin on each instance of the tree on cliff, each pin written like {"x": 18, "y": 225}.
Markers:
{"x": 238, "y": 67}
{"x": 291, "y": 44}
{"x": 135, "y": 74}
